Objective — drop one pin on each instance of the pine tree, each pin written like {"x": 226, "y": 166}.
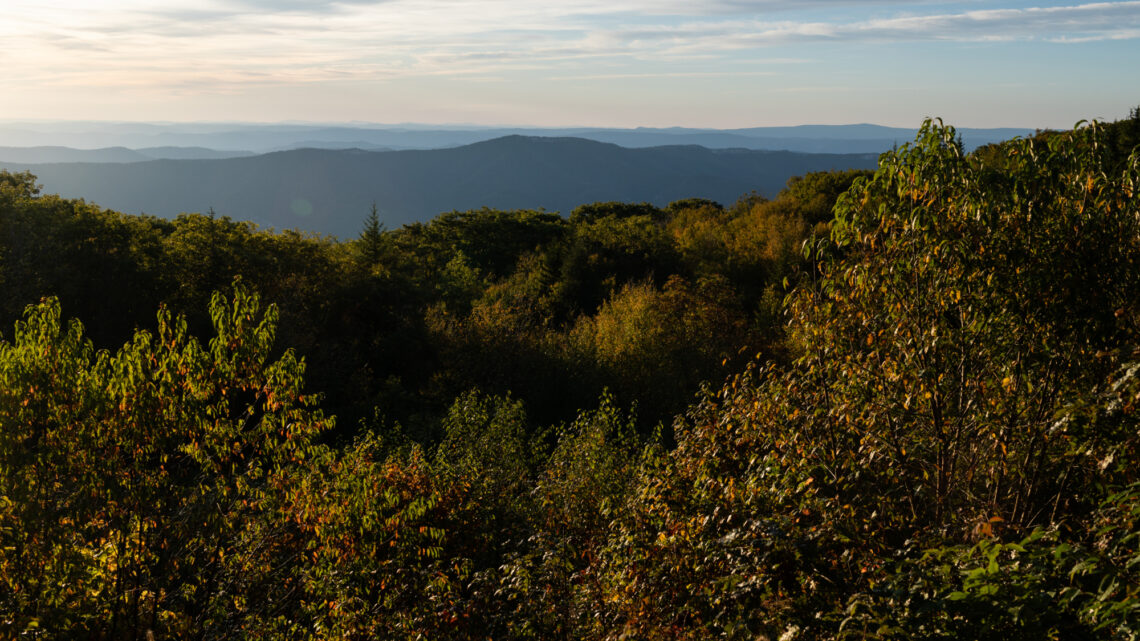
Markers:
{"x": 371, "y": 241}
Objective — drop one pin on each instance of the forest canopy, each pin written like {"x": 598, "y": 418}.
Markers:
{"x": 890, "y": 404}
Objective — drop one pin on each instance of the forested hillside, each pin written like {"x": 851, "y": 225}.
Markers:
{"x": 889, "y": 405}
{"x": 329, "y": 191}
{"x": 644, "y": 301}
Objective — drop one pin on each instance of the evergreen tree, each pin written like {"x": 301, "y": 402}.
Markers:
{"x": 371, "y": 241}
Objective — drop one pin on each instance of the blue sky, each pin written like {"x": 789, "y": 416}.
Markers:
{"x": 717, "y": 63}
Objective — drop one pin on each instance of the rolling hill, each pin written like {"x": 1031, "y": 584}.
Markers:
{"x": 331, "y": 191}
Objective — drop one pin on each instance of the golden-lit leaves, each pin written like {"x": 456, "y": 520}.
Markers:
{"x": 158, "y": 447}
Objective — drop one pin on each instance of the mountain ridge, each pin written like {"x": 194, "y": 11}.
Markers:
{"x": 330, "y": 191}
{"x": 261, "y": 138}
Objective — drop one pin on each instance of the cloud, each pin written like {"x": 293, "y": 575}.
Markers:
{"x": 179, "y": 44}
{"x": 304, "y": 6}
{"x": 673, "y": 74}
{"x": 1089, "y": 21}
{"x": 1080, "y": 23}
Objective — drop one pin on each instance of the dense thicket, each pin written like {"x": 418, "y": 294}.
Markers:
{"x": 552, "y": 309}
{"x": 938, "y": 439}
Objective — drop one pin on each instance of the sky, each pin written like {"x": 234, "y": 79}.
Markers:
{"x": 605, "y": 63}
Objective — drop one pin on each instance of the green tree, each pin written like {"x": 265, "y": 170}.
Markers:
{"x": 371, "y": 243}
{"x": 130, "y": 481}
{"x": 964, "y": 318}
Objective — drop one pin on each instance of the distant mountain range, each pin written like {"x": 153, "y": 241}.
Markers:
{"x": 331, "y": 191}
{"x": 51, "y": 153}
{"x": 163, "y": 140}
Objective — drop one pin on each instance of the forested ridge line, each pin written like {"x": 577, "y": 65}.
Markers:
{"x": 327, "y": 190}
{"x": 932, "y": 434}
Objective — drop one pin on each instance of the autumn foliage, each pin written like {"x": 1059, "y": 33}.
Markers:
{"x": 930, "y": 432}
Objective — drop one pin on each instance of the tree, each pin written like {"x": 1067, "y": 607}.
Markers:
{"x": 18, "y": 185}
{"x": 371, "y": 243}
{"x": 130, "y": 482}
{"x": 965, "y": 317}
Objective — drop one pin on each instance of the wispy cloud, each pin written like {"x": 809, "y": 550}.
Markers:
{"x": 1083, "y": 23}
{"x": 672, "y": 74}
{"x": 1100, "y": 20}
{"x": 217, "y": 46}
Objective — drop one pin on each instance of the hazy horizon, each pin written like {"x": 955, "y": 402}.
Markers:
{"x": 363, "y": 124}
{"x": 913, "y": 124}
